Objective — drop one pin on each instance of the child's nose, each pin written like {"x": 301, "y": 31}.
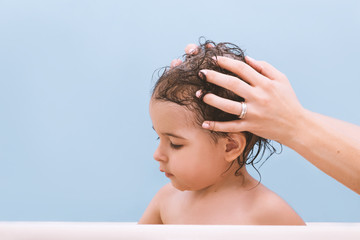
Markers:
{"x": 159, "y": 155}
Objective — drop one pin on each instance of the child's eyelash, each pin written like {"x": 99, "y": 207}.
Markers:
{"x": 174, "y": 146}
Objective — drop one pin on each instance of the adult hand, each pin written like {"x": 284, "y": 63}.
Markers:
{"x": 273, "y": 109}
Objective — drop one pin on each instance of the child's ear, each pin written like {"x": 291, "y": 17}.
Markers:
{"x": 235, "y": 145}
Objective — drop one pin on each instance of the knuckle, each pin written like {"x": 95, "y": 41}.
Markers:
{"x": 266, "y": 100}
{"x": 228, "y": 81}
{"x": 236, "y": 86}
{"x": 263, "y": 97}
{"x": 267, "y": 84}
{"x": 261, "y": 66}
{"x": 240, "y": 66}
{"x": 212, "y": 126}
{"x": 263, "y": 63}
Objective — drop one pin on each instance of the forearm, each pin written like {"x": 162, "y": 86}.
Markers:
{"x": 331, "y": 145}
{"x": 349, "y": 129}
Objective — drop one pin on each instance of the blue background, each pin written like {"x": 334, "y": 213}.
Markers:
{"x": 76, "y": 141}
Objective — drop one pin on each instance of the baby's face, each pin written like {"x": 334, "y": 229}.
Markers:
{"x": 187, "y": 154}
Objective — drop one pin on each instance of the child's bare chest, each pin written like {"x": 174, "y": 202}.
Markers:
{"x": 213, "y": 210}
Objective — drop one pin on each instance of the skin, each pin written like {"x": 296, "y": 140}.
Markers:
{"x": 330, "y": 144}
{"x": 204, "y": 188}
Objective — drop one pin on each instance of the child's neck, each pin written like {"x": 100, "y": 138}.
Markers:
{"x": 229, "y": 181}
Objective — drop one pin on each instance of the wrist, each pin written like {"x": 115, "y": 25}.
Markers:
{"x": 298, "y": 128}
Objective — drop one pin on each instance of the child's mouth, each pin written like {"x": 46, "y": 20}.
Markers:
{"x": 168, "y": 175}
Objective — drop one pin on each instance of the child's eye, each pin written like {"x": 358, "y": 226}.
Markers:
{"x": 175, "y": 146}
{"x": 157, "y": 138}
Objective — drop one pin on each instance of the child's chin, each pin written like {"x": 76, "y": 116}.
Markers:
{"x": 182, "y": 188}
{"x": 178, "y": 187}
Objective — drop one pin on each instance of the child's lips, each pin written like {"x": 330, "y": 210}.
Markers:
{"x": 168, "y": 174}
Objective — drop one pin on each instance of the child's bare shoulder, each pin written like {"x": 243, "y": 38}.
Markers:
{"x": 152, "y": 214}
{"x": 167, "y": 192}
{"x": 270, "y": 209}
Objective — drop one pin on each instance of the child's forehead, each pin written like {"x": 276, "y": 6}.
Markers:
{"x": 177, "y": 114}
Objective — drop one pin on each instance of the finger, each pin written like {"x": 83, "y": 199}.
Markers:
{"x": 230, "y": 126}
{"x": 175, "y": 62}
{"x": 229, "y": 82}
{"x": 192, "y": 49}
{"x": 264, "y": 68}
{"x": 209, "y": 45}
{"x": 223, "y": 104}
{"x": 255, "y": 65}
{"x": 241, "y": 69}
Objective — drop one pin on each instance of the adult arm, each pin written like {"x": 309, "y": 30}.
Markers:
{"x": 331, "y": 145}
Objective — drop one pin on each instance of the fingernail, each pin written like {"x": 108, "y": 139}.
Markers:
{"x": 198, "y": 93}
{"x": 206, "y": 125}
{"x": 209, "y": 45}
{"x": 191, "y": 51}
{"x": 215, "y": 58}
{"x": 203, "y": 72}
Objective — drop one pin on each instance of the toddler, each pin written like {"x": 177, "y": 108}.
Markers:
{"x": 209, "y": 183}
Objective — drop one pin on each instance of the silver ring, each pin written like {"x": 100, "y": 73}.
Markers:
{"x": 243, "y": 110}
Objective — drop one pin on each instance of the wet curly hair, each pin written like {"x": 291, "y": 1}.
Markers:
{"x": 179, "y": 85}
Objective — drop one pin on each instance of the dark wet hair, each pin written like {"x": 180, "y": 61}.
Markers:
{"x": 179, "y": 85}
